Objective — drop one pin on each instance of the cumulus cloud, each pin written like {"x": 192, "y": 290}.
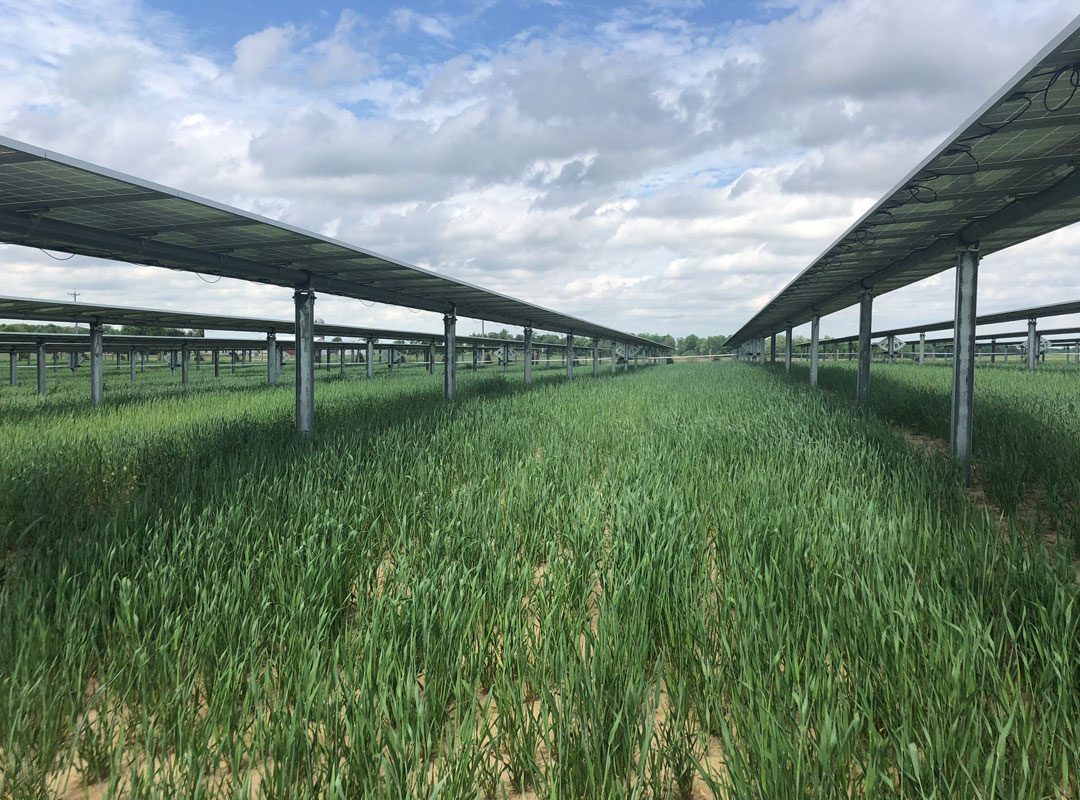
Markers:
{"x": 643, "y": 168}
{"x": 257, "y": 52}
{"x": 91, "y": 75}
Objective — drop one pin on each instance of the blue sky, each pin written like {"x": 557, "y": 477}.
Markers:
{"x": 659, "y": 166}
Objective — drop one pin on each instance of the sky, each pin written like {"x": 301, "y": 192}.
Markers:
{"x": 662, "y": 166}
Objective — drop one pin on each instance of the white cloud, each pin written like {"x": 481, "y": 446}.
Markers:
{"x": 646, "y": 172}
{"x": 258, "y": 52}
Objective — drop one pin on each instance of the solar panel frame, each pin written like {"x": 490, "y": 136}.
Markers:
{"x": 55, "y": 202}
{"x": 1027, "y": 136}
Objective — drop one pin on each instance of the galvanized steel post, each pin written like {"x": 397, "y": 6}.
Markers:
{"x": 1033, "y": 345}
{"x": 450, "y": 359}
{"x": 922, "y": 348}
{"x": 369, "y": 357}
{"x": 569, "y": 356}
{"x": 596, "y": 357}
{"x": 431, "y": 358}
{"x": 271, "y": 358}
{"x": 993, "y": 351}
{"x": 475, "y": 357}
{"x": 787, "y": 349}
{"x": 963, "y": 389}
{"x": 13, "y": 368}
{"x": 626, "y": 357}
{"x": 41, "y": 368}
{"x": 866, "y": 313}
{"x": 528, "y": 354}
{"x": 183, "y": 363}
{"x": 304, "y": 301}
{"x": 506, "y": 357}
{"x": 341, "y": 361}
{"x": 217, "y": 362}
{"x": 772, "y": 350}
{"x": 815, "y": 329}
{"x": 131, "y": 363}
{"x": 97, "y": 382}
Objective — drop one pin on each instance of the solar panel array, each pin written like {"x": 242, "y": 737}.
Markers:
{"x": 1009, "y": 174}
{"x": 59, "y": 203}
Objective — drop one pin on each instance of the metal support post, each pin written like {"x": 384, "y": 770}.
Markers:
{"x": 922, "y": 348}
{"x": 390, "y": 360}
{"x": 431, "y": 358}
{"x": 626, "y": 357}
{"x": 41, "y": 368}
{"x": 772, "y": 350}
{"x": 341, "y": 361}
{"x": 131, "y": 364}
{"x": 815, "y": 330}
{"x": 369, "y": 357}
{"x": 963, "y": 389}
{"x": 528, "y": 354}
{"x": 184, "y": 352}
{"x": 97, "y": 381}
{"x": 450, "y": 358}
{"x": 1033, "y": 345}
{"x": 271, "y": 358}
{"x": 866, "y": 313}
{"x": 13, "y": 368}
{"x": 596, "y": 358}
{"x": 506, "y": 357}
{"x": 569, "y": 356}
{"x": 993, "y": 351}
{"x": 304, "y": 301}
{"x": 787, "y": 349}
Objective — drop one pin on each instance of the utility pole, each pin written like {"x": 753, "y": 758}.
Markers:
{"x": 74, "y": 295}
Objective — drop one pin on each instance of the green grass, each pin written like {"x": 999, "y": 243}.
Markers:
{"x": 1026, "y": 432}
{"x": 583, "y": 589}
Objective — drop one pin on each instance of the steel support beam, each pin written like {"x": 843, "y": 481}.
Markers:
{"x": 569, "y": 356}
{"x": 431, "y": 358}
{"x": 506, "y": 358}
{"x": 341, "y": 361}
{"x": 41, "y": 368}
{"x": 528, "y": 354}
{"x": 97, "y": 378}
{"x": 184, "y": 364}
{"x": 626, "y": 357}
{"x": 450, "y": 358}
{"x": 922, "y": 348}
{"x": 787, "y": 349}
{"x": 772, "y": 350}
{"x": 963, "y": 389}
{"x": 13, "y": 368}
{"x": 369, "y": 357}
{"x": 614, "y": 357}
{"x": 304, "y": 301}
{"x": 1033, "y": 345}
{"x": 216, "y": 356}
{"x": 815, "y": 345}
{"x": 596, "y": 358}
{"x": 993, "y": 351}
{"x": 271, "y": 359}
{"x": 131, "y": 363}
{"x": 866, "y": 313}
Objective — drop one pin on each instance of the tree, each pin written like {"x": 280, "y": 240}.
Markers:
{"x": 688, "y": 345}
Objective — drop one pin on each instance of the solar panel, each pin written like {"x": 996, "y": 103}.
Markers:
{"x": 59, "y": 203}
{"x": 1009, "y": 174}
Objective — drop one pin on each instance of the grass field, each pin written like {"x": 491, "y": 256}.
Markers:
{"x": 687, "y": 580}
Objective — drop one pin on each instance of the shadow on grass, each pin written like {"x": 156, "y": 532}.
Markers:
{"x": 1025, "y": 466}
{"x": 77, "y": 490}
